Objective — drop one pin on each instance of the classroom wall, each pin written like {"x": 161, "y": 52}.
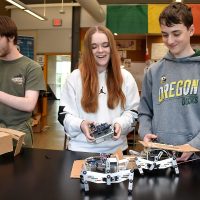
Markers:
{"x": 58, "y": 39}
{"x": 49, "y": 38}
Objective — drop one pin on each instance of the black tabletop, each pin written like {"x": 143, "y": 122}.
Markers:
{"x": 45, "y": 175}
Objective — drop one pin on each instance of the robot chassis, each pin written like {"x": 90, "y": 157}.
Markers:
{"x": 156, "y": 159}
{"x": 106, "y": 169}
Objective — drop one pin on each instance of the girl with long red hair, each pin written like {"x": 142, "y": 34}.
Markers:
{"x": 99, "y": 91}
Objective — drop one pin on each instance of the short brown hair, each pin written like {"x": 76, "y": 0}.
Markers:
{"x": 8, "y": 28}
{"x": 176, "y": 13}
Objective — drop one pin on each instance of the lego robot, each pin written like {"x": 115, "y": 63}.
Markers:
{"x": 106, "y": 169}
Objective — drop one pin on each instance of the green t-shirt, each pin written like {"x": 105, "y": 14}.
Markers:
{"x": 16, "y": 77}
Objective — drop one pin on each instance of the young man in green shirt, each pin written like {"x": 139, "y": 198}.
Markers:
{"x": 21, "y": 80}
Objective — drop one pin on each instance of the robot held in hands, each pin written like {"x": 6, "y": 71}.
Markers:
{"x": 101, "y": 132}
{"x": 104, "y": 131}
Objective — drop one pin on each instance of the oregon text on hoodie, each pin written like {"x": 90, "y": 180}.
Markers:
{"x": 170, "y": 101}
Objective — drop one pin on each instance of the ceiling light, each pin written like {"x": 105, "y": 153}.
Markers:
{"x": 34, "y": 14}
{"x": 25, "y": 8}
{"x": 16, "y": 3}
{"x": 61, "y": 11}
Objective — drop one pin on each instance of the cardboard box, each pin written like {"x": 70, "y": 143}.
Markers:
{"x": 6, "y": 144}
{"x": 6, "y": 140}
{"x": 178, "y": 148}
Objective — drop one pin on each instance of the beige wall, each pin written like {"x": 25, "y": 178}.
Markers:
{"x": 48, "y": 38}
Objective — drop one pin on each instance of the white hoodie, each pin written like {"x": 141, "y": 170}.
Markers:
{"x": 71, "y": 100}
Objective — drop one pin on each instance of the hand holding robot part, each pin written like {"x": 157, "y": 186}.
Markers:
{"x": 149, "y": 137}
{"x": 118, "y": 130}
{"x": 85, "y": 128}
{"x": 184, "y": 157}
{"x": 101, "y": 132}
{"x": 153, "y": 138}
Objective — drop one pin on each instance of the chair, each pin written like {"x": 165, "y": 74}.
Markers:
{"x": 131, "y": 137}
{"x": 66, "y": 140}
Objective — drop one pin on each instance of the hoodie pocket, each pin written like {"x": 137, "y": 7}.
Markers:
{"x": 174, "y": 138}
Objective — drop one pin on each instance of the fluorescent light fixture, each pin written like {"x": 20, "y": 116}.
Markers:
{"x": 16, "y": 3}
{"x": 34, "y": 14}
{"x": 25, "y": 8}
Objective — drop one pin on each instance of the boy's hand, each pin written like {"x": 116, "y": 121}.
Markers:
{"x": 184, "y": 157}
{"x": 149, "y": 137}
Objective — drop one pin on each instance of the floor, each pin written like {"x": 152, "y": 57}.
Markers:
{"x": 52, "y": 135}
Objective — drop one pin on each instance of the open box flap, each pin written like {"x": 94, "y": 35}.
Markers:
{"x": 6, "y": 144}
{"x": 16, "y": 135}
{"x": 179, "y": 148}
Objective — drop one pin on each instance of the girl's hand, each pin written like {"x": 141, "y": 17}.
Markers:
{"x": 117, "y": 131}
{"x": 86, "y": 130}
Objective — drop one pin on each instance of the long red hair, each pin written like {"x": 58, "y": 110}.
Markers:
{"x": 88, "y": 69}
